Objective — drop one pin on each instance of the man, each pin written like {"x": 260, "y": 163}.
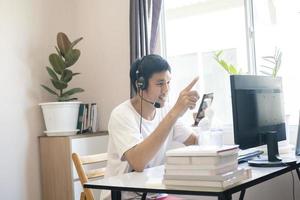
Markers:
{"x": 142, "y": 129}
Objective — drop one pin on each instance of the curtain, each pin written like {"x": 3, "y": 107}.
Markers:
{"x": 144, "y": 20}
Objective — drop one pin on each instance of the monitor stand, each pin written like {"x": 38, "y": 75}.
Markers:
{"x": 273, "y": 159}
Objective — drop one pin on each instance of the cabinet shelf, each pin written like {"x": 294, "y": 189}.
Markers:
{"x": 59, "y": 178}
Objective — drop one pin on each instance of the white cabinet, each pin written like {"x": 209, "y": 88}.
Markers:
{"x": 59, "y": 177}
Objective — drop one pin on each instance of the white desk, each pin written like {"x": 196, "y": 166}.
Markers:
{"x": 151, "y": 181}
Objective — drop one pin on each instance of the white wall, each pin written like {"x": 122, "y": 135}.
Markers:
{"x": 27, "y": 37}
{"x": 105, "y": 54}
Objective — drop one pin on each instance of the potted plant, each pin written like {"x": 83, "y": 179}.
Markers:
{"x": 273, "y": 63}
{"x": 61, "y": 117}
{"x": 231, "y": 69}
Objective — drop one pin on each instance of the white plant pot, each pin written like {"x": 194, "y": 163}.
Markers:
{"x": 60, "y": 117}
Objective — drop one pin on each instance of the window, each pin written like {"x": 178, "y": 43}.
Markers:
{"x": 277, "y": 27}
{"x": 196, "y": 29}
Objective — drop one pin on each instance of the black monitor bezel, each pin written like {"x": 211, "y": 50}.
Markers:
{"x": 252, "y": 82}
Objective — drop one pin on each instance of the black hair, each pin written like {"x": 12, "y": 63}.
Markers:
{"x": 145, "y": 67}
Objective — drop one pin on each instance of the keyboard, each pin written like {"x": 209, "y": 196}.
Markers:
{"x": 249, "y": 156}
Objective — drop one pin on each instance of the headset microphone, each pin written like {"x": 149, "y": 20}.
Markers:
{"x": 155, "y": 104}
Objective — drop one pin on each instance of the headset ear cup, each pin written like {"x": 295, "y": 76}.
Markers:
{"x": 141, "y": 83}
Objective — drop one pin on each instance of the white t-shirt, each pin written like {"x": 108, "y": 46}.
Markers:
{"x": 124, "y": 133}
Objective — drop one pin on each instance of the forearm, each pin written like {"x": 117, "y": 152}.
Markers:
{"x": 140, "y": 155}
{"x": 192, "y": 140}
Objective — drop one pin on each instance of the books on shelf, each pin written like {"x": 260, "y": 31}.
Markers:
{"x": 222, "y": 184}
{"x": 196, "y": 150}
{"x": 87, "y": 118}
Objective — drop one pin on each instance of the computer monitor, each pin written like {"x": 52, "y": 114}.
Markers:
{"x": 258, "y": 115}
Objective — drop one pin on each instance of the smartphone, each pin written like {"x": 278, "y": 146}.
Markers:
{"x": 205, "y": 103}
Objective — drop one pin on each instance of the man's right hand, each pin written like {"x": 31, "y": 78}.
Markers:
{"x": 187, "y": 99}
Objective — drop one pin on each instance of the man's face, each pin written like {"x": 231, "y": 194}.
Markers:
{"x": 158, "y": 87}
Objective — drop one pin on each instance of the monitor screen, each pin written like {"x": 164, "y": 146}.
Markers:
{"x": 257, "y": 106}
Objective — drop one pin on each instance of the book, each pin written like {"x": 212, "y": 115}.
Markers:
{"x": 207, "y": 183}
{"x": 80, "y": 117}
{"x": 220, "y": 177}
{"x": 203, "y": 167}
{"x": 94, "y": 118}
{"x": 202, "y": 160}
{"x": 86, "y": 117}
{"x": 201, "y": 172}
{"x": 196, "y": 150}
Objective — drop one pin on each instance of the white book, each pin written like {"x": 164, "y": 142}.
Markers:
{"x": 214, "y": 184}
{"x": 201, "y": 160}
{"x": 203, "y": 167}
{"x": 95, "y": 117}
{"x": 179, "y": 160}
{"x": 216, "y": 160}
{"x": 201, "y": 172}
{"x": 196, "y": 150}
{"x": 221, "y": 177}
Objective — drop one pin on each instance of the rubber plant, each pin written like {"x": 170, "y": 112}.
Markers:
{"x": 60, "y": 72}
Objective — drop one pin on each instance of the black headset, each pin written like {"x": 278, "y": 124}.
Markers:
{"x": 140, "y": 80}
{"x": 142, "y": 83}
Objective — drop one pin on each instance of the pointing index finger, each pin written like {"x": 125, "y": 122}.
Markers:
{"x": 191, "y": 85}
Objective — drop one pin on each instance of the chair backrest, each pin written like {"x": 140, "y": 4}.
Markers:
{"x": 84, "y": 174}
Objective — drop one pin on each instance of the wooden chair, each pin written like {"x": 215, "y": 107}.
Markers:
{"x": 84, "y": 174}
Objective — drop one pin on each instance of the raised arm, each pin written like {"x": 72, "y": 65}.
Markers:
{"x": 140, "y": 155}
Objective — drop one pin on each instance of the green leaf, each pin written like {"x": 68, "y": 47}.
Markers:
{"x": 268, "y": 57}
{"x": 265, "y": 73}
{"x": 270, "y": 68}
{"x": 67, "y": 98}
{"x": 74, "y": 74}
{"x": 58, "y": 51}
{"x": 271, "y": 60}
{"x": 63, "y": 98}
{"x": 57, "y": 63}
{"x": 58, "y": 84}
{"x": 219, "y": 53}
{"x": 52, "y": 73}
{"x": 72, "y": 57}
{"x": 275, "y": 63}
{"x": 232, "y": 69}
{"x": 75, "y": 42}
{"x": 224, "y": 65}
{"x": 49, "y": 90}
{"x": 227, "y": 67}
{"x": 66, "y": 76}
{"x": 73, "y": 91}
{"x": 63, "y": 43}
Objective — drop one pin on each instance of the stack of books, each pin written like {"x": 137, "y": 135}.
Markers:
{"x": 87, "y": 118}
{"x": 204, "y": 166}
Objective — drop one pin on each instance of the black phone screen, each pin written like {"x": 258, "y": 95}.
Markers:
{"x": 205, "y": 103}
